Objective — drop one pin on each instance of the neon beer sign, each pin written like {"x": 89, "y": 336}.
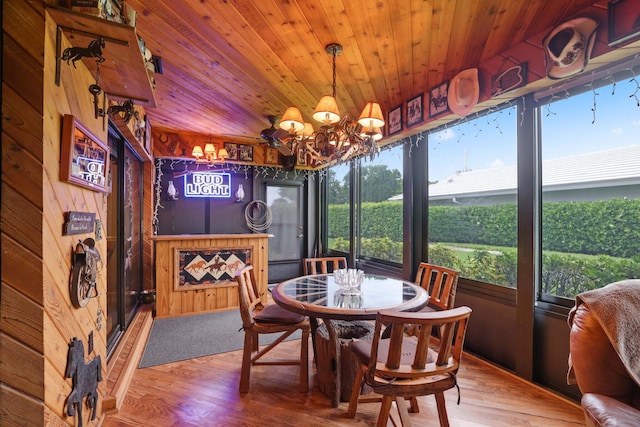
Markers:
{"x": 207, "y": 184}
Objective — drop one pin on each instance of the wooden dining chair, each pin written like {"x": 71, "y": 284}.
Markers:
{"x": 403, "y": 367}
{"x": 441, "y": 284}
{"x": 267, "y": 319}
{"x": 323, "y": 265}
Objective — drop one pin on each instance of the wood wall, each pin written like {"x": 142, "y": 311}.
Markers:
{"x": 22, "y": 362}
{"x": 171, "y": 302}
{"x": 37, "y": 319}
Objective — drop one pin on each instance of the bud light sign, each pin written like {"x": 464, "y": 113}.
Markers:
{"x": 207, "y": 184}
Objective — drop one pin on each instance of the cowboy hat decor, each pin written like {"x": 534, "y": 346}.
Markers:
{"x": 464, "y": 92}
{"x": 568, "y": 46}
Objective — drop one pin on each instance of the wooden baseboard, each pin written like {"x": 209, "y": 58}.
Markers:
{"x": 130, "y": 361}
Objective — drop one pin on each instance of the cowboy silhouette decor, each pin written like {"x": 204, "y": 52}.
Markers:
{"x": 85, "y": 378}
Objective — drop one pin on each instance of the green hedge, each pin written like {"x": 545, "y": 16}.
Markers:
{"x": 563, "y": 275}
{"x": 592, "y": 227}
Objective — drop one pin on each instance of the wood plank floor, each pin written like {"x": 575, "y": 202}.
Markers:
{"x": 204, "y": 392}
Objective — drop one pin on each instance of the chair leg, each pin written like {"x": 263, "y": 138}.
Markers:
{"x": 245, "y": 372}
{"x": 442, "y": 410}
{"x": 355, "y": 392}
{"x": 415, "y": 408}
{"x": 385, "y": 410}
{"x": 304, "y": 362}
{"x": 405, "y": 421}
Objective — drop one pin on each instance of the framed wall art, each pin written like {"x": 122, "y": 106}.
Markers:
{"x": 395, "y": 120}
{"x": 271, "y": 156}
{"x": 245, "y": 153}
{"x": 302, "y": 157}
{"x": 84, "y": 158}
{"x": 624, "y": 21}
{"x": 438, "y": 99}
{"x": 415, "y": 111}
{"x": 232, "y": 149}
{"x": 206, "y": 268}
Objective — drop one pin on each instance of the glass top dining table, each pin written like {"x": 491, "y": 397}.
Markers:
{"x": 320, "y": 296}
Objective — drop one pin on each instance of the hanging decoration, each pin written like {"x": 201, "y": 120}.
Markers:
{"x": 258, "y": 216}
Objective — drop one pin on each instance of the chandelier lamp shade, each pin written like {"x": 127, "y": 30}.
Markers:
{"x": 338, "y": 137}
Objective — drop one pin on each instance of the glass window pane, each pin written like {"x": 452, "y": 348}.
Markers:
{"x": 473, "y": 198}
{"x": 380, "y": 210}
{"x": 338, "y": 215}
{"x": 590, "y": 190}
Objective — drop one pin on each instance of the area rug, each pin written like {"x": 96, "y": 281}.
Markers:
{"x": 186, "y": 337}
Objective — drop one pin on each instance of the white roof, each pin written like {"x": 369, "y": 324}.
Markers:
{"x": 619, "y": 166}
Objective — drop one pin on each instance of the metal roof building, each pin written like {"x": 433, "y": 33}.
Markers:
{"x": 591, "y": 176}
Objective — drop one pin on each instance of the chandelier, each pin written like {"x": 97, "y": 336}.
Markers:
{"x": 210, "y": 155}
{"x": 339, "y": 137}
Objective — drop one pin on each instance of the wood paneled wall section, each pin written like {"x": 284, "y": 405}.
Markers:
{"x": 171, "y": 302}
{"x": 22, "y": 364}
{"x": 37, "y": 318}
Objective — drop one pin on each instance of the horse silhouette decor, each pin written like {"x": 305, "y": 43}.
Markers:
{"x": 94, "y": 50}
{"x": 85, "y": 378}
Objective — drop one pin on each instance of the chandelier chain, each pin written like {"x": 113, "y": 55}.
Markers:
{"x": 334, "y": 73}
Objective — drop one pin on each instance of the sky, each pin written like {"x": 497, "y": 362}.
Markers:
{"x": 597, "y": 120}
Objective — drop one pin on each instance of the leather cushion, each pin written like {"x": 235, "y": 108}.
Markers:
{"x": 273, "y": 313}
{"x": 597, "y": 366}
{"x": 606, "y": 411}
{"x": 362, "y": 350}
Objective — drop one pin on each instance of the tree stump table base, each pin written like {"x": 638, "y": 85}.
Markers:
{"x": 325, "y": 364}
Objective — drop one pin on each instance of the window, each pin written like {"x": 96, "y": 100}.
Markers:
{"x": 473, "y": 197}
{"x": 590, "y": 189}
{"x": 338, "y": 215}
{"x": 380, "y": 210}
{"x": 379, "y": 207}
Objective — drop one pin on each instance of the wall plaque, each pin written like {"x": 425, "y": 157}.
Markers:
{"x": 78, "y": 223}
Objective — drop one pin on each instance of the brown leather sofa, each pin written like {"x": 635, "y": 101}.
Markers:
{"x": 603, "y": 359}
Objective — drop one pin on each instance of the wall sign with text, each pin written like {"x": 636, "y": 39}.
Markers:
{"x": 207, "y": 184}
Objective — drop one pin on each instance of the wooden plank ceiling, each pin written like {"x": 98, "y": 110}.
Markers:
{"x": 228, "y": 64}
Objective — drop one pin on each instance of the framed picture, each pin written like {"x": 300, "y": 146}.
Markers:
{"x": 245, "y": 153}
{"x": 232, "y": 149}
{"x": 395, "y": 120}
{"x": 271, "y": 156}
{"x": 624, "y": 21}
{"x": 85, "y": 159}
{"x": 415, "y": 110}
{"x": 302, "y": 157}
{"x": 438, "y": 99}
{"x": 208, "y": 268}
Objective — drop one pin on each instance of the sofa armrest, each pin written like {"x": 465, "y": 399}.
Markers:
{"x": 605, "y": 411}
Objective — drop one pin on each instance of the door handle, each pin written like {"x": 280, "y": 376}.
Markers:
{"x": 301, "y": 235}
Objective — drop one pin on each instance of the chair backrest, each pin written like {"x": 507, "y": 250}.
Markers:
{"x": 323, "y": 265}
{"x": 425, "y": 362}
{"x": 248, "y": 296}
{"x": 440, "y": 282}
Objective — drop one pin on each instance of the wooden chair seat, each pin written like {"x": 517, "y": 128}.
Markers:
{"x": 273, "y": 313}
{"x": 260, "y": 319}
